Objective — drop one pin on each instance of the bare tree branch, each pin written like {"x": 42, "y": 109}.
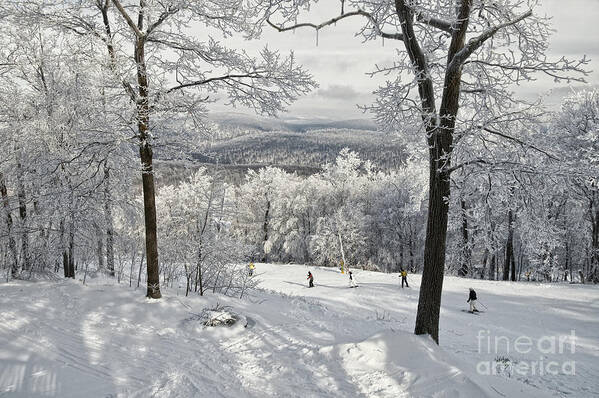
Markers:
{"x": 163, "y": 17}
{"x": 464, "y": 164}
{"x": 395, "y": 36}
{"x": 110, "y": 47}
{"x": 522, "y": 143}
{"x": 128, "y": 19}
{"x": 253, "y": 75}
{"x": 434, "y": 22}
{"x": 473, "y": 44}
{"x": 425, "y": 83}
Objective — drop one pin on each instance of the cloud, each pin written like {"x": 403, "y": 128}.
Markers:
{"x": 569, "y": 90}
{"x": 338, "y": 91}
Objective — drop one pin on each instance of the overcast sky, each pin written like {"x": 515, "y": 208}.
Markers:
{"x": 340, "y": 61}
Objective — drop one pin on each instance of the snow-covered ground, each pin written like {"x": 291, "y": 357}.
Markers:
{"x": 63, "y": 339}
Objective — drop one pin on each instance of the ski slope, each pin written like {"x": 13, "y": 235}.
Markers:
{"x": 64, "y": 339}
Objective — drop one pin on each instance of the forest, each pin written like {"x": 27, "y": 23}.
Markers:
{"x": 91, "y": 92}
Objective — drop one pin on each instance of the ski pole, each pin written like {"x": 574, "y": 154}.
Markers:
{"x": 483, "y": 305}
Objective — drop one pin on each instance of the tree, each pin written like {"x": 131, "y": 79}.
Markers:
{"x": 168, "y": 61}
{"x": 192, "y": 238}
{"x": 574, "y": 133}
{"x": 454, "y": 50}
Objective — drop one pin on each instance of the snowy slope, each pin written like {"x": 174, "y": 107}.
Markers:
{"x": 68, "y": 340}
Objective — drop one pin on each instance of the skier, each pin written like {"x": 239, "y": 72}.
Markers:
{"x": 252, "y": 266}
{"x": 310, "y": 279}
{"x": 352, "y": 282}
{"x": 404, "y": 277}
{"x": 472, "y": 300}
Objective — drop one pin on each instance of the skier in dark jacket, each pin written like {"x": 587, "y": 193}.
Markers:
{"x": 472, "y": 300}
{"x": 310, "y": 279}
{"x": 352, "y": 281}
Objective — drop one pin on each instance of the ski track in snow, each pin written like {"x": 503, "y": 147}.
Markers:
{"x": 63, "y": 339}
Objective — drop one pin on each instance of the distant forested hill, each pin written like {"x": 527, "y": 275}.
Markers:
{"x": 311, "y": 149}
{"x": 240, "y": 142}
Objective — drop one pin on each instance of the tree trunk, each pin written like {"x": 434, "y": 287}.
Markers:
{"x": 411, "y": 248}
{"x": 109, "y": 222}
{"x": 265, "y": 230}
{"x": 133, "y": 254}
{"x": 439, "y": 129}
{"x": 200, "y": 276}
{"x": 466, "y": 254}
{"x": 71, "y": 248}
{"x": 485, "y": 263}
{"x": 12, "y": 245}
{"x": 513, "y": 267}
{"x": 100, "y": 248}
{"x": 492, "y": 267}
{"x": 23, "y": 214}
{"x": 146, "y": 155}
{"x": 141, "y": 263}
{"x": 401, "y": 249}
{"x": 63, "y": 248}
{"x": 429, "y": 301}
{"x": 594, "y": 210}
{"x": 509, "y": 249}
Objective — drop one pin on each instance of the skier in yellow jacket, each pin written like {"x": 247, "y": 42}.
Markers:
{"x": 404, "y": 277}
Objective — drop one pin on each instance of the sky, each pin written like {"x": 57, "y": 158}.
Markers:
{"x": 340, "y": 62}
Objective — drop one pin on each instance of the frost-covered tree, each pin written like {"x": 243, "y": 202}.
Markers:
{"x": 195, "y": 243}
{"x": 575, "y": 134}
{"x": 152, "y": 51}
{"x": 459, "y": 55}
{"x": 347, "y": 210}
{"x": 50, "y": 125}
{"x": 256, "y": 203}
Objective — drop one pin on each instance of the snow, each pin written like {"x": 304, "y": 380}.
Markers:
{"x": 65, "y": 339}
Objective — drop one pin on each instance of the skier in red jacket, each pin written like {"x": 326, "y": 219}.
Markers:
{"x": 310, "y": 279}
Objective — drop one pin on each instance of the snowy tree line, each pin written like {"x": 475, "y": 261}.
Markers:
{"x": 525, "y": 213}
{"x": 372, "y": 218}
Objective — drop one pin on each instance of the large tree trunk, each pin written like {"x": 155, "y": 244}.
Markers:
{"x": 146, "y": 155}
{"x": 12, "y": 245}
{"x": 429, "y": 302}
{"x": 108, "y": 221}
{"x": 440, "y": 142}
